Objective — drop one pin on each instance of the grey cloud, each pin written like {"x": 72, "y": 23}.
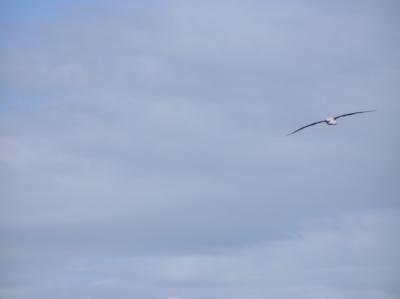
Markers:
{"x": 143, "y": 152}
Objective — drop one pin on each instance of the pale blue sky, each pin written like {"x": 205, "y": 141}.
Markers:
{"x": 26, "y": 11}
{"x": 143, "y": 149}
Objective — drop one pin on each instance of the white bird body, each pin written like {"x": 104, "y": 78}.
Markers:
{"x": 330, "y": 120}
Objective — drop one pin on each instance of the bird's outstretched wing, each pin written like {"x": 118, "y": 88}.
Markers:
{"x": 348, "y": 114}
{"x": 317, "y": 122}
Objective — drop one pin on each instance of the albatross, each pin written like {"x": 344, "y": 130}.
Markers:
{"x": 330, "y": 120}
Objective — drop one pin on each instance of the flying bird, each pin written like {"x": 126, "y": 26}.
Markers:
{"x": 330, "y": 120}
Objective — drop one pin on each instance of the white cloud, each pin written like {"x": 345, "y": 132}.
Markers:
{"x": 146, "y": 143}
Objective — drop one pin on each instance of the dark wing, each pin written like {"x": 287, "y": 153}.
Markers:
{"x": 348, "y": 114}
{"x": 317, "y": 122}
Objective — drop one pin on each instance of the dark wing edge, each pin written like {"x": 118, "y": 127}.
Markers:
{"x": 348, "y": 114}
{"x": 315, "y": 123}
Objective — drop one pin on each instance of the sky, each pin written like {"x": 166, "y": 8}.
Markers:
{"x": 143, "y": 149}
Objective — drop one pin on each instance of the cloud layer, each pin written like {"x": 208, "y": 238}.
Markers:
{"x": 143, "y": 150}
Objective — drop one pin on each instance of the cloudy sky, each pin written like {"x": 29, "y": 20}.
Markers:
{"x": 143, "y": 149}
